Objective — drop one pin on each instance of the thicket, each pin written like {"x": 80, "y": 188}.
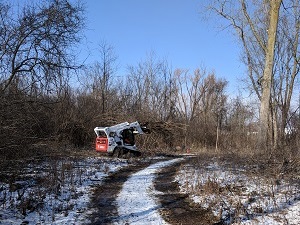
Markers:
{"x": 183, "y": 112}
{"x": 41, "y": 111}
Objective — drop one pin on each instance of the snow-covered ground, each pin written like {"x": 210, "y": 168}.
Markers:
{"x": 54, "y": 191}
{"x": 59, "y": 191}
{"x": 64, "y": 196}
{"x": 237, "y": 198}
{"x": 136, "y": 203}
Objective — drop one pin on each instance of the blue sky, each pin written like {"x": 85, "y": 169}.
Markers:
{"x": 173, "y": 29}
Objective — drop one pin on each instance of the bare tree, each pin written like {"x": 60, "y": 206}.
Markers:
{"x": 267, "y": 77}
{"x": 241, "y": 129}
{"x": 36, "y": 54}
{"x": 286, "y": 67}
{"x": 213, "y": 107}
{"x": 102, "y": 75}
{"x": 200, "y": 105}
{"x": 36, "y": 43}
{"x": 150, "y": 86}
{"x": 256, "y": 23}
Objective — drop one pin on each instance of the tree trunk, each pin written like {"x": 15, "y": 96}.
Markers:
{"x": 265, "y": 123}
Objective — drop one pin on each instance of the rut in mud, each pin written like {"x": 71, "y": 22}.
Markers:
{"x": 177, "y": 207}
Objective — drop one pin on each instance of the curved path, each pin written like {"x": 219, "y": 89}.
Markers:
{"x": 145, "y": 193}
{"x": 136, "y": 202}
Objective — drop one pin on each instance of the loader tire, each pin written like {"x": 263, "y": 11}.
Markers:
{"x": 118, "y": 152}
{"x": 137, "y": 154}
{"x": 134, "y": 154}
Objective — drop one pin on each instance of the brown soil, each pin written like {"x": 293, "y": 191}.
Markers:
{"x": 177, "y": 208}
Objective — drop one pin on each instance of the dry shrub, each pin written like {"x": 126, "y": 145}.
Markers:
{"x": 211, "y": 186}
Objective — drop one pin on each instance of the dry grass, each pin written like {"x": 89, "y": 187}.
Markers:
{"x": 31, "y": 184}
{"x": 238, "y": 188}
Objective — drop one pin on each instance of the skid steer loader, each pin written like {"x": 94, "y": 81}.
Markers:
{"x": 119, "y": 140}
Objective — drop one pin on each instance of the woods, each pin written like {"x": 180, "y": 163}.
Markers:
{"x": 268, "y": 32}
{"x": 41, "y": 108}
{"x": 217, "y": 153}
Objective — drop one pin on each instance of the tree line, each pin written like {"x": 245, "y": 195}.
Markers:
{"x": 269, "y": 35}
{"x": 40, "y": 109}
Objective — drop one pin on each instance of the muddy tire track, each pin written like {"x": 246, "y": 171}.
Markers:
{"x": 105, "y": 194}
{"x": 177, "y": 207}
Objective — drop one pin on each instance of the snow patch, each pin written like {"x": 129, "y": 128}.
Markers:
{"x": 237, "y": 198}
{"x": 54, "y": 192}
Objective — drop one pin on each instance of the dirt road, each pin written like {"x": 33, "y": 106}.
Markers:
{"x": 146, "y": 193}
